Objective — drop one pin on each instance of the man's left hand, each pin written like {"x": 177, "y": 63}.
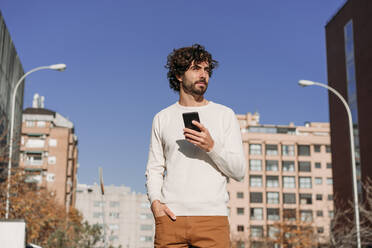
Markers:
{"x": 201, "y": 139}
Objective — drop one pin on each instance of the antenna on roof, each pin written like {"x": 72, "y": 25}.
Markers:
{"x": 38, "y": 101}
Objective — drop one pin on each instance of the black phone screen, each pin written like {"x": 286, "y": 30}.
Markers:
{"x": 188, "y": 118}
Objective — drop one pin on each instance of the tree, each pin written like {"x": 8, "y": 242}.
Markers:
{"x": 48, "y": 223}
{"x": 344, "y": 232}
{"x": 290, "y": 232}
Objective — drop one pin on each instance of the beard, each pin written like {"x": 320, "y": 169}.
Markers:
{"x": 191, "y": 88}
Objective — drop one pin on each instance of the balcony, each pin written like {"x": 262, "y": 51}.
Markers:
{"x": 34, "y": 162}
{"x": 35, "y": 143}
{"x": 33, "y": 179}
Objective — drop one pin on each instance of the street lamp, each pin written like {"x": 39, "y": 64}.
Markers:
{"x": 353, "y": 166}
{"x": 57, "y": 67}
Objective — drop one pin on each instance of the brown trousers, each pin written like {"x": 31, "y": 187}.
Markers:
{"x": 192, "y": 231}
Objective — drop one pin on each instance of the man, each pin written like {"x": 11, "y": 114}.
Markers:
{"x": 187, "y": 170}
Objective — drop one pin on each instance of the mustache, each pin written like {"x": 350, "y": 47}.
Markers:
{"x": 201, "y": 81}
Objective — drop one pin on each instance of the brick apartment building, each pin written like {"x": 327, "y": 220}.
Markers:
{"x": 289, "y": 176}
{"x": 49, "y": 151}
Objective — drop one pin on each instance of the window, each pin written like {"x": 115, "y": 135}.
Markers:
{"x": 318, "y": 165}
{"x": 303, "y": 150}
{"x": 289, "y": 198}
{"x": 330, "y": 197}
{"x": 289, "y": 214}
{"x": 50, "y": 177}
{"x": 272, "y": 181}
{"x": 328, "y": 149}
{"x": 113, "y": 226}
{"x": 52, "y": 142}
{"x": 114, "y": 215}
{"x": 97, "y": 214}
{"x": 34, "y": 158}
{"x": 114, "y": 204}
{"x": 239, "y": 195}
{"x": 145, "y": 227}
{"x": 305, "y": 182}
{"x": 320, "y": 230}
{"x": 329, "y": 165}
{"x": 146, "y": 238}
{"x": 40, "y": 123}
{"x": 255, "y": 149}
{"x": 240, "y": 244}
{"x": 306, "y": 199}
{"x": 289, "y": 182}
{"x": 30, "y": 123}
{"x": 272, "y": 165}
{"x": 255, "y": 197}
{"x": 255, "y": 181}
{"x": 317, "y": 148}
{"x": 288, "y": 150}
{"x": 329, "y": 181}
{"x": 331, "y": 214}
{"x": 271, "y": 150}
{"x": 240, "y": 228}
{"x": 288, "y": 166}
{"x": 319, "y": 213}
{"x": 240, "y": 211}
{"x": 319, "y": 197}
{"x": 256, "y": 231}
{"x": 256, "y": 214}
{"x": 304, "y": 166}
{"x": 33, "y": 179}
{"x": 113, "y": 237}
{"x": 318, "y": 180}
{"x": 98, "y": 203}
{"x": 273, "y": 232}
{"x": 272, "y": 197}
{"x": 145, "y": 204}
{"x": 255, "y": 165}
{"x": 52, "y": 160}
{"x": 273, "y": 214}
{"x": 146, "y": 216}
{"x": 35, "y": 143}
{"x": 306, "y": 215}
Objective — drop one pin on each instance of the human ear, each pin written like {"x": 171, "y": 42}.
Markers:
{"x": 179, "y": 78}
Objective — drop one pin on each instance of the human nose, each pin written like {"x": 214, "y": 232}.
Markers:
{"x": 204, "y": 73}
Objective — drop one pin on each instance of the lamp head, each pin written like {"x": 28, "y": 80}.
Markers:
{"x": 58, "y": 67}
{"x": 304, "y": 83}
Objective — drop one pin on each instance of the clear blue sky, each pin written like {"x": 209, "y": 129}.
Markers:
{"x": 115, "y": 51}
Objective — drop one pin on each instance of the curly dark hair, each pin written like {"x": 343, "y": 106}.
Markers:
{"x": 179, "y": 61}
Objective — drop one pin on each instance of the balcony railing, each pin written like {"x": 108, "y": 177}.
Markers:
{"x": 34, "y": 162}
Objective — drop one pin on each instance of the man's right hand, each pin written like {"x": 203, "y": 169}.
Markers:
{"x": 160, "y": 209}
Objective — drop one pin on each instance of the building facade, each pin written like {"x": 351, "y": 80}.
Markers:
{"x": 126, "y": 214}
{"x": 289, "y": 178}
{"x": 349, "y": 62}
{"x": 11, "y": 71}
{"x": 49, "y": 153}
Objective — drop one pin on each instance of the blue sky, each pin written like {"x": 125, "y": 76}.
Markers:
{"x": 115, "y": 53}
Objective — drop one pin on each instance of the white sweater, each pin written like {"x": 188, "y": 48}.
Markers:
{"x": 190, "y": 181}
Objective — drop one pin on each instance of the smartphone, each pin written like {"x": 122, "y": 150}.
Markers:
{"x": 188, "y": 118}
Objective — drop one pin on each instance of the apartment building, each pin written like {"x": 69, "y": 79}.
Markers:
{"x": 49, "y": 151}
{"x": 11, "y": 71}
{"x": 126, "y": 214}
{"x": 289, "y": 177}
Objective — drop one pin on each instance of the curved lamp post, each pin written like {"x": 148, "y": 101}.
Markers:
{"x": 353, "y": 166}
{"x": 57, "y": 67}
